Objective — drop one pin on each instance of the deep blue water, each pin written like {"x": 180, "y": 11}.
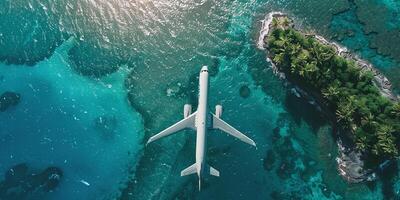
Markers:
{"x": 96, "y": 78}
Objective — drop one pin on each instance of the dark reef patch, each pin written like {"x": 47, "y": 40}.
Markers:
{"x": 88, "y": 59}
{"x": 22, "y": 183}
{"x": 379, "y": 18}
{"x": 8, "y": 99}
{"x": 317, "y": 13}
{"x": 269, "y": 160}
{"x": 360, "y": 30}
{"x": 244, "y": 91}
{"x": 275, "y": 135}
{"x": 288, "y": 154}
{"x": 389, "y": 177}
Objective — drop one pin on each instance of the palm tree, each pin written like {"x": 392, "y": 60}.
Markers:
{"x": 345, "y": 111}
{"x": 302, "y": 71}
{"x": 294, "y": 49}
{"x": 321, "y": 53}
{"x": 386, "y": 141}
{"x": 274, "y": 22}
{"x": 279, "y": 58}
{"x": 284, "y": 48}
{"x": 285, "y": 22}
{"x": 368, "y": 119}
{"x": 296, "y": 65}
{"x": 385, "y": 128}
{"x": 304, "y": 55}
{"x": 283, "y": 42}
{"x": 327, "y": 53}
{"x": 396, "y": 110}
{"x": 309, "y": 70}
{"x": 325, "y": 76}
{"x": 361, "y": 143}
{"x": 331, "y": 92}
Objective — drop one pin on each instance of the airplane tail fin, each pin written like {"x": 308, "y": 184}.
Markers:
{"x": 189, "y": 170}
{"x": 213, "y": 171}
{"x": 192, "y": 169}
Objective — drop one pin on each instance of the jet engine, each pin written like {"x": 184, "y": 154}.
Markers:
{"x": 187, "y": 110}
{"x": 218, "y": 110}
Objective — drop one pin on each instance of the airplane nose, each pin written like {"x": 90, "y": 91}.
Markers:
{"x": 204, "y": 68}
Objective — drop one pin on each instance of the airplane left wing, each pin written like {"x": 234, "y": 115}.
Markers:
{"x": 223, "y": 126}
{"x": 188, "y": 122}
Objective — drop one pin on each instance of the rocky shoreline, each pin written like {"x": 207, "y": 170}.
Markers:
{"x": 383, "y": 83}
{"x": 349, "y": 163}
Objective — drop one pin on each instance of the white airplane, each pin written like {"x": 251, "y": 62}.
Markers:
{"x": 202, "y": 120}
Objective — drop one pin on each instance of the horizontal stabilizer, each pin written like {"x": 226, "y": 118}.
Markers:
{"x": 190, "y": 170}
{"x": 188, "y": 122}
{"x": 223, "y": 126}
{"x": 213, "y": 171}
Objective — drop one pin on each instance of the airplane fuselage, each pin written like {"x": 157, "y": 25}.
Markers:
{"x": 202, "y": 122}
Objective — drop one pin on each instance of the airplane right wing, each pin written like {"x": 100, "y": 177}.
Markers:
{"x": 188, "y": 122}
{"x": 223, "y": 126}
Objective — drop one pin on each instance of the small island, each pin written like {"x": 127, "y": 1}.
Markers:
{"x": 356, "y": 98}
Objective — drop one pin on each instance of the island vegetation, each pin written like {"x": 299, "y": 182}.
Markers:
{"x": 357, "y": 107}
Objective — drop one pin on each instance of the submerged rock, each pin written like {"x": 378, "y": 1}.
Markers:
{"x": 276, "y": 134}
{"x": 8, "y": 99}
{"x": 20, "y": 183}
{"x": 286, "y": 169}
{"x": 50, "y": 178}
{"x": 269, "y": 160}
{"x": 244, "y": 91}
{"x": 16, "y": 173}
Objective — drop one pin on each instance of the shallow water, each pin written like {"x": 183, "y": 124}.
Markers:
{"x": 125, "y": 69}
{"x": 86, "y": 127}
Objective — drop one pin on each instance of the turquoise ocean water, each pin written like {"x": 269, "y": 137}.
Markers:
{"x": 97, "y": 78}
